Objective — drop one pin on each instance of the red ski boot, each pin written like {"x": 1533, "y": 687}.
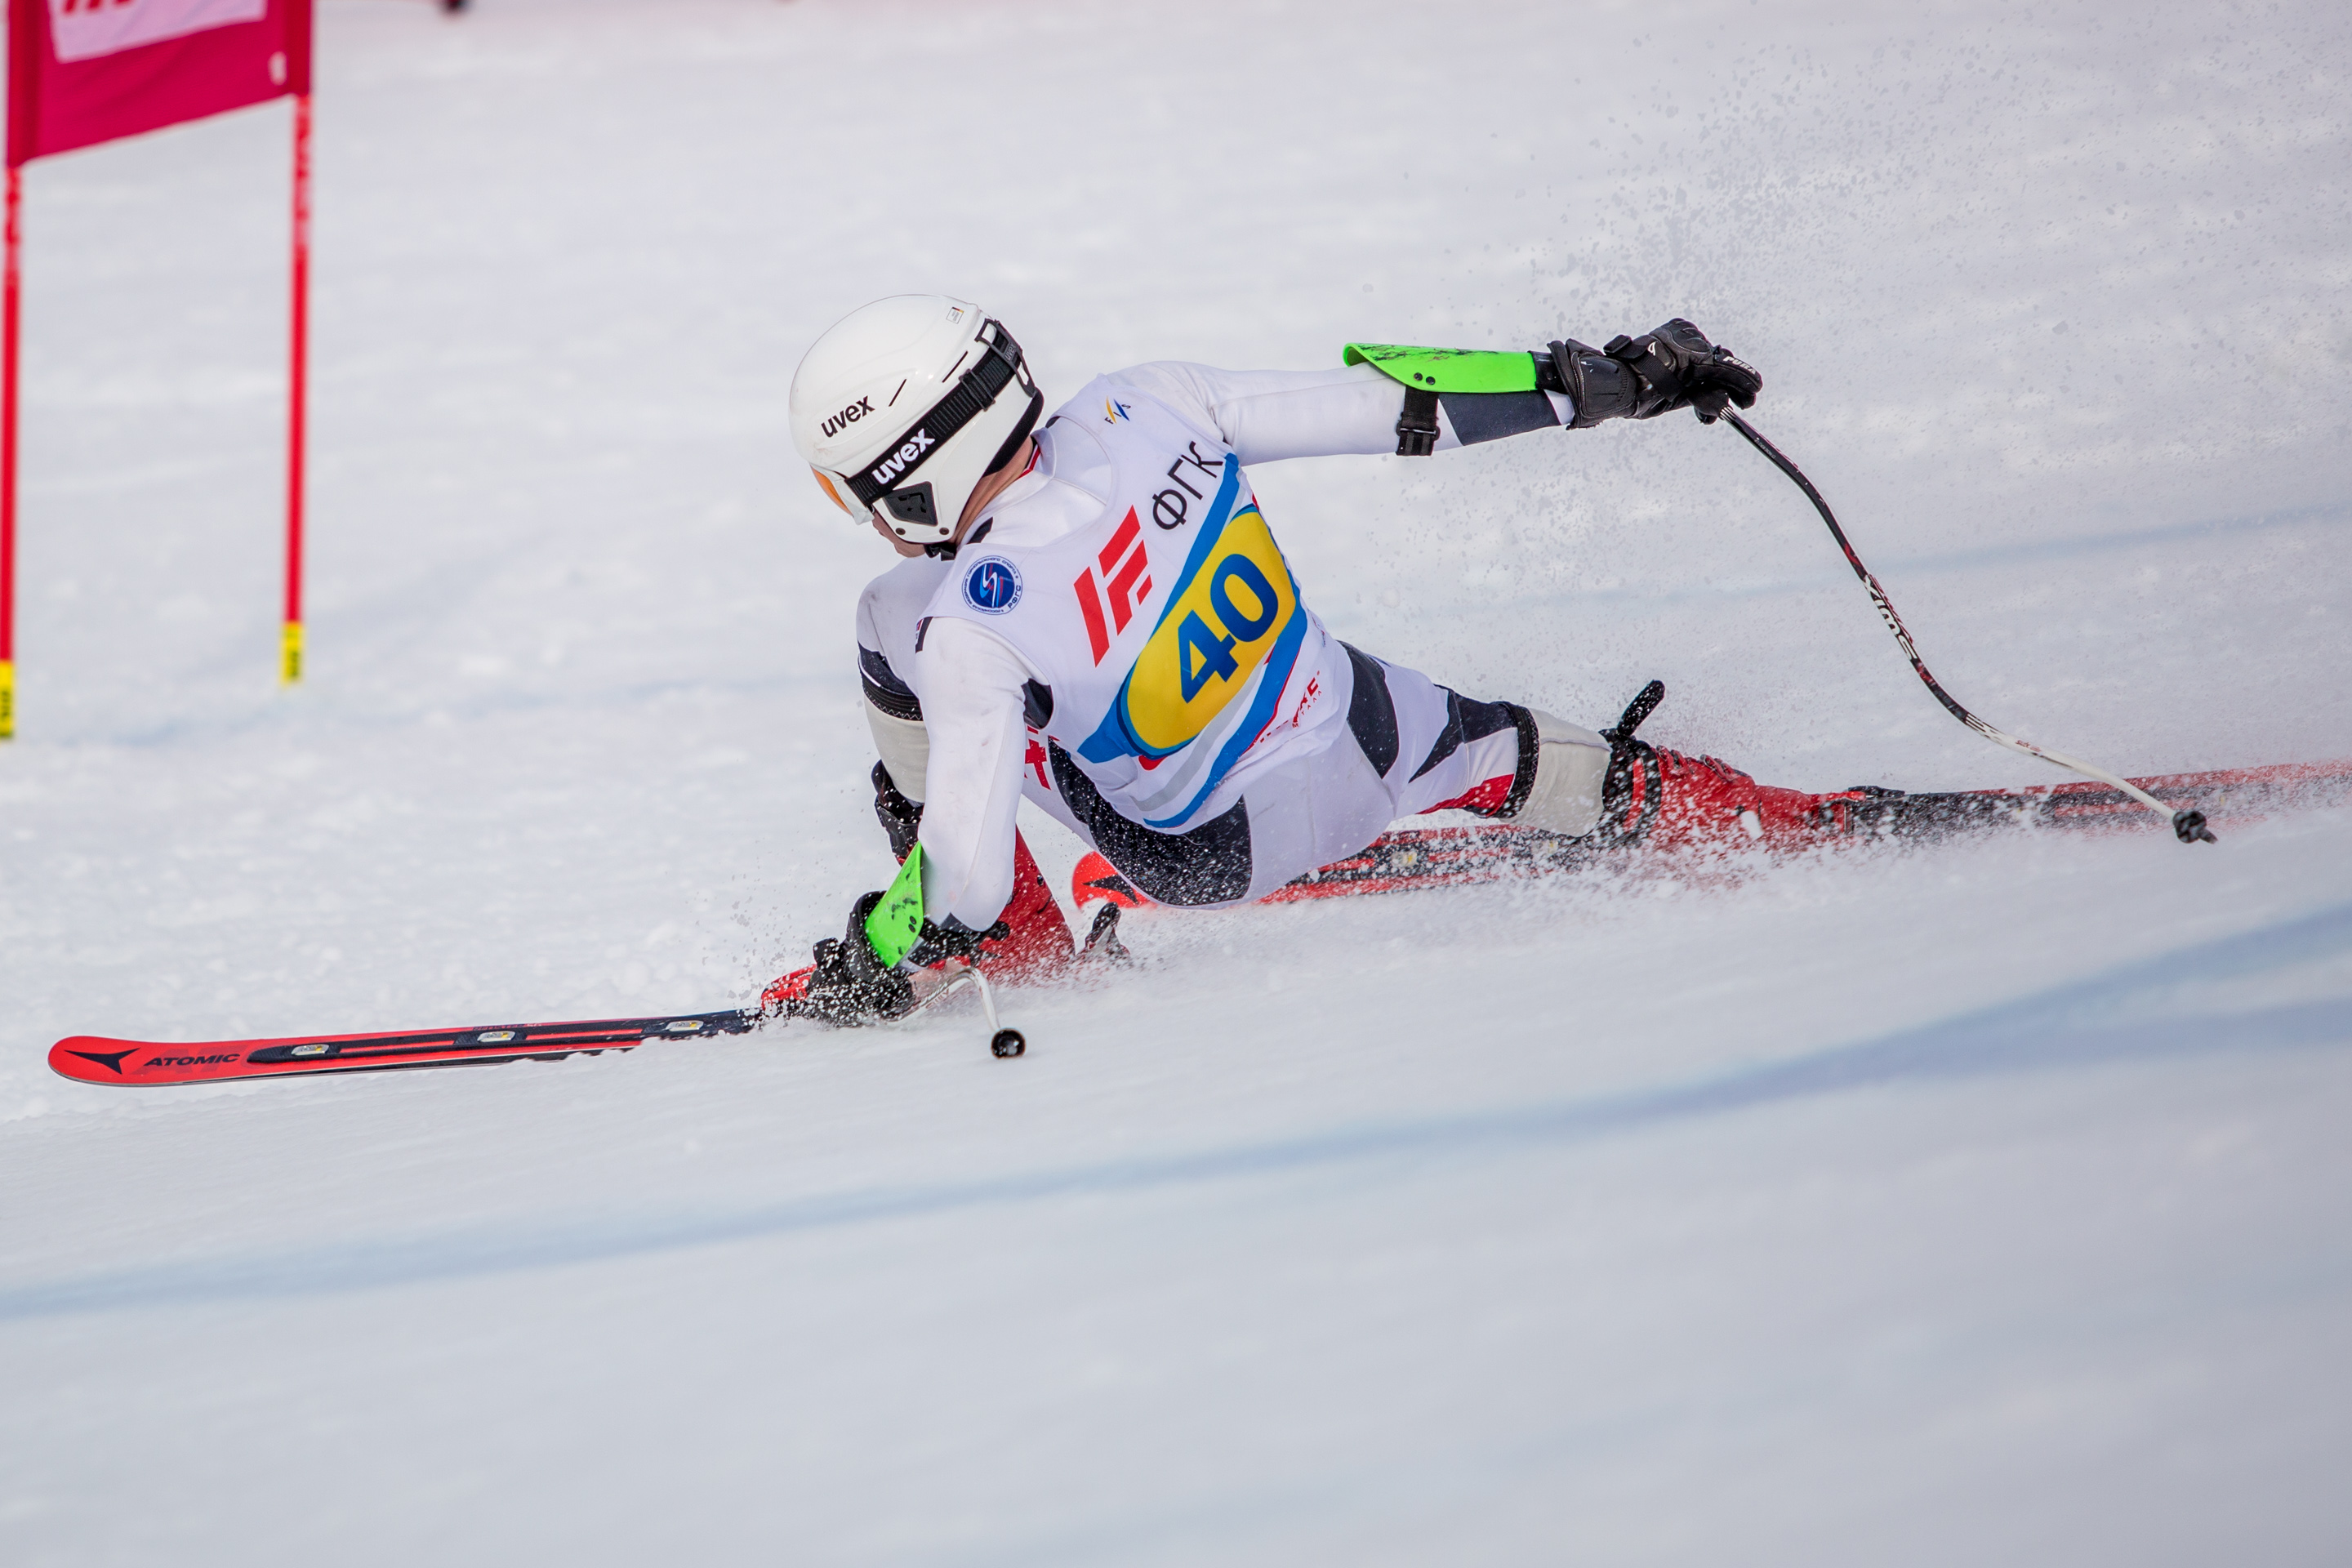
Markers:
{"x": 1030, "y": 940}
{"x": 1664, "y": 800}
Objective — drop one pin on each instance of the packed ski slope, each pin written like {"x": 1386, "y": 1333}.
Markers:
{"x": 1986, "y": 1204}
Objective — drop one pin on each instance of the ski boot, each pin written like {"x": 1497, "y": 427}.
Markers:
{"x": 1663, "y": 800}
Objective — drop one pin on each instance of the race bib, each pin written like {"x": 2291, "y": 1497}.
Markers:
{"x": 1212, "y": 670}
{"x": 1224, "y": 620}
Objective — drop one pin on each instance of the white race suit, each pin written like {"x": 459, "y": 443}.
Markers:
{"x": 1120, "y": 639}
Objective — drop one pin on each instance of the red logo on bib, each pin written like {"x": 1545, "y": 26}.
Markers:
{"x": 1123, "y": 583}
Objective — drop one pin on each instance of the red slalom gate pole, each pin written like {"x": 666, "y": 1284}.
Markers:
{"x": 8, "y": 316}
{"x": 289, "y": 660}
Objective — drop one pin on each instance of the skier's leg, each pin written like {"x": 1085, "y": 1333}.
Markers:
{"x": 1409, "y": 746}
{"x": 1309, "y": 808}
{"x": 1664, "y": 799}
{"x": 1310, "y": 811}
{"x": 1204, "y": 867}
{"x": 1577, "y": 782}
{"x": 1037, "y": 942}
{"x": 1571, "y": 763}
{"x": 1454, "y": 752}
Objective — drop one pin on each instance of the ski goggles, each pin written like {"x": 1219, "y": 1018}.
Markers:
{"x": 888, "y": 482}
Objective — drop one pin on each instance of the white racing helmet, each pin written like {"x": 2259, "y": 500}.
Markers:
{"x": 905, "y": 405}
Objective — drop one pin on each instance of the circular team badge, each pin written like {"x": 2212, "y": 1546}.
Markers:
{"x": 993, "y": 586}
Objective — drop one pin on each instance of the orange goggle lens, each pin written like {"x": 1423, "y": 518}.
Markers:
{"x": 826, "y": 483}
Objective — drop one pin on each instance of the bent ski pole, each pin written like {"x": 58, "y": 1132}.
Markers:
{"x": 2189, "y": 825}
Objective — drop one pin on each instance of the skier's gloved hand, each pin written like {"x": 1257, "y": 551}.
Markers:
{"x": 851, "y": 984}
{"x": 954, "y": 940}
{"x": 1641, "y": 378}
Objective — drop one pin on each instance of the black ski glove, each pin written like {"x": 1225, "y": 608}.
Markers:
{"x": 852, "y": 986}
{"x": 1641, "y": 378}
{"x": 938, "y": 943}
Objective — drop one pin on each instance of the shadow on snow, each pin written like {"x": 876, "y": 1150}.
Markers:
{"x": 2146, "y": 1011}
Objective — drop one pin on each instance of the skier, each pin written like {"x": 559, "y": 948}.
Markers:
{"x": 1092, "y": 614}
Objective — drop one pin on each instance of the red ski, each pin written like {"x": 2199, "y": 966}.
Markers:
{"x": 1414, "y": 859}
{"x": 92, "y": 1058}
{"x": 1420, "y": 857}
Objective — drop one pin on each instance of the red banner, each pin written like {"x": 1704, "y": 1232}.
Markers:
{"x": 85, "y": 71}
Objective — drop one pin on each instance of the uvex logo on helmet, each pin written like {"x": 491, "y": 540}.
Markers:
{"x": 850, "y": 416}
{"x": 899, "y": 460}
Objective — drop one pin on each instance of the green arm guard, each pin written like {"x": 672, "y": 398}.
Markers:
{"x": 896, "y": 922}
{"x": 1446, "y": 370}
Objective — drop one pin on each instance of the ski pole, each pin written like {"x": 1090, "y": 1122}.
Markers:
{"x": 2187, "y": 826}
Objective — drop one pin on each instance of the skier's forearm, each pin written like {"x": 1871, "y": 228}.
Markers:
{"x": 1487, "y": 393}
{"x": 972, "y": 786}
{"x": 1265, "y": 416}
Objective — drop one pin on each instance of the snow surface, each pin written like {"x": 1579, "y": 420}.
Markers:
{"x": 1989, "y": 1204}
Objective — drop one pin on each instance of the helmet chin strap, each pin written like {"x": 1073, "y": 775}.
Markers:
{"x": 991, "y": 484}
